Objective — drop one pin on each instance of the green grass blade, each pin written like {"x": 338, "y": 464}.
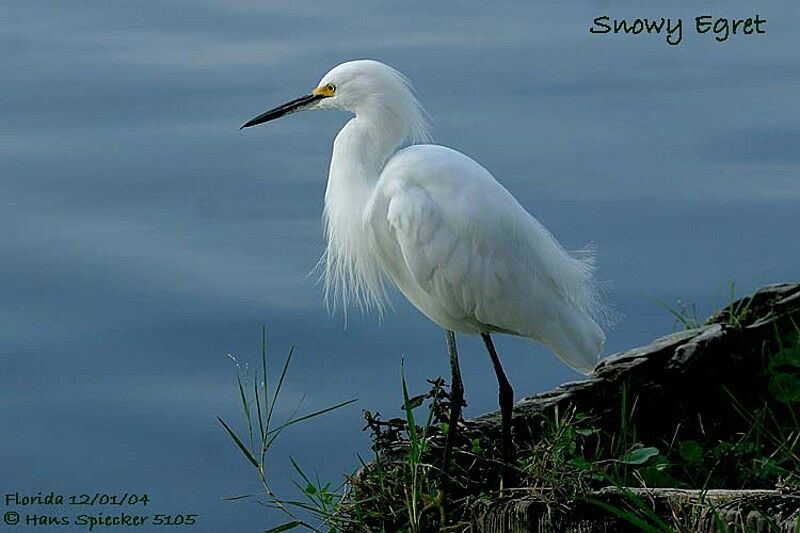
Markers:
{"x": 315, "y": 497}
{"x": 258, "y": 409}
{"x": 247, "y": 453}
{"x": 427, "y": 427}
{"x": 274, "y": 432}
{"x": 280, "y": 384}
{"x": 644, "y": 508}
{"x": 284, "y": 527}
{"x": 312, "y": 509}
{"x": 245, "y": 408}
{"x": 234, "y": 498}
{"x": 412, "y": 426}
{"x": 718, "y": 523}
{"x": 264, "y": 367}
{"x": 299, "y": 470}
{"x": 682, "y": 318}
{"x": 628, "y": 516}
{"x": 314, "y": 414}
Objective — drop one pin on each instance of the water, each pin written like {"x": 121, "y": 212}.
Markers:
{"x": 144, "y": 237}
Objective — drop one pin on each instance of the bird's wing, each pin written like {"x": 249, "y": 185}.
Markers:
{"x": 471, "y": 247}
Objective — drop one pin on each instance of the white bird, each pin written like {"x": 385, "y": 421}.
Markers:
{"x": 437, "y": 224}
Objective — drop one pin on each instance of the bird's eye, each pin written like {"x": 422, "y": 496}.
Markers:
{"x": 331, "y": 87}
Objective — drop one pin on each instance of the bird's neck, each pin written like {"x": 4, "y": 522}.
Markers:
{"x": 382, "y": 125}
{"x": 366, "y": 142}
{"x": 360, "y": 151}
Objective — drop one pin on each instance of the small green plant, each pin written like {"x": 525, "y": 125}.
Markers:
{"x": 418, "y": 495}
{"x": 733, "y": 314}
{"x": 319, "y": 510}
{"x": 736, "y": 311}
{"x": 572, "y": 456}
{"x": 558, "y": 458}
{"x": 400, "y": 496}
{"x": 685, "y": 314}
{"x": 406, "y": 491}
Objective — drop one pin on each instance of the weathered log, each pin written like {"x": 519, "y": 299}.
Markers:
{"x": 678, "y": 370}
{"x": 693, "y": 511}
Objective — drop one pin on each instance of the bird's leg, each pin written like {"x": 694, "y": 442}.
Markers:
{"x": 456, "y": 400}
{"x": 506, "y": 394}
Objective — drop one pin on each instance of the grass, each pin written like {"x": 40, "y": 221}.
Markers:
{"x": 316, "y": 510}
{"x": 763, "y": 452}
{"x": 733, "y": 315}
{"x": 420, "y": 483}
{"x": 567, "y": 458}
{"x": 405, "y": 494}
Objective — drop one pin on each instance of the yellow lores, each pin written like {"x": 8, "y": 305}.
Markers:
{"x": 325, "y": 90}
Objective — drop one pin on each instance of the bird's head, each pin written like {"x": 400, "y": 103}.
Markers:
{"x": 363, "y": 87}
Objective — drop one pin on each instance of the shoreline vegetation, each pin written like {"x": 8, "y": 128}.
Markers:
{"x": 697, "y": 431}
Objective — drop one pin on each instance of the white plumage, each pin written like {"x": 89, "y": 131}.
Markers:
{"x": 456, "y": 243}
{"x": 466, "y": 254}
{"x": 438, "y": 225}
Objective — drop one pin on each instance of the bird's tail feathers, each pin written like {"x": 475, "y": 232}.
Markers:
{"x": 589, "y": 293}
{"x": 577, "y": 340}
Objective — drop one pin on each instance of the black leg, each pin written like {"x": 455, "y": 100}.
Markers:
{"x": 456, "y": 399}
{"x": 506, "y": 394}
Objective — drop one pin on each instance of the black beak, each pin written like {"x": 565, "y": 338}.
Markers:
{"x": 286, "y": 109}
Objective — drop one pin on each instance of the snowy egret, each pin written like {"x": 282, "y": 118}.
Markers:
{"x": 437, "y": 224}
